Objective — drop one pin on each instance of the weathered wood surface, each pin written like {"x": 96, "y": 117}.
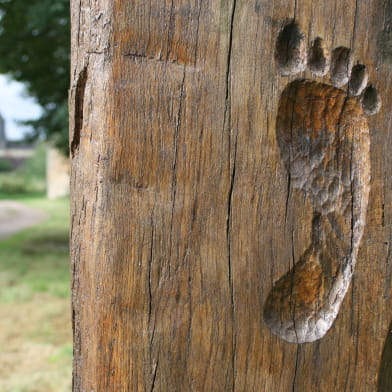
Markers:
{"x": 179, "y": 225}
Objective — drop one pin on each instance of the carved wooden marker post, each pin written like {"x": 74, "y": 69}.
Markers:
{"x": 215, "y": 202}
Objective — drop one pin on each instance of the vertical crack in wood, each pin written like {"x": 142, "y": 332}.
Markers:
{"x": 287, "y": 197}
{"x": 355, "y": 24}
{"x": 351, "y": 159}
{"x": 352, "y": 310}
{"x": 229, "y": 54}
{"x": 296, "y": 367}
{"x": 288, "y": 162}
{"x": 197, "y": 32}
{"x": 175, "y": 157}
{"x": 170, "y": 31}
{"x": 150, "y": 301}
{"x": 79, "y": 22}
{"x": 79, "y": 106}
{"x": 295, "y": 9}
{"x": 352, "y": 204}
{"x": 227, "y": 125}
{"x": 75, "y": 292}
{"x": 149, "y": 272}
{"x": 356, "y": 362}
{"x": 292, "y": 301}
{"x": 230, "y": 266}
{"x": 388, "y": 265}
{"x": 154, "y": 377}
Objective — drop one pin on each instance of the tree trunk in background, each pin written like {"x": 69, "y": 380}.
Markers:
{"x": 179, "y": 221}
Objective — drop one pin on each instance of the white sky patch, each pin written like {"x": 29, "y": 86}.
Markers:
{"x": 16, "y": 106}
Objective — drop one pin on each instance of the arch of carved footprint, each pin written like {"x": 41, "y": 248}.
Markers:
{"x": 323, "y": 136}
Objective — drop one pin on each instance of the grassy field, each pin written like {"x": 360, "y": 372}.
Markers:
{"x": 35, "y": 328}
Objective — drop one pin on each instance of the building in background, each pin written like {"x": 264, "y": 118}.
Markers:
{"x": 57, "y": 174}
{"x": 3, "y": 138}
{"x": 57, "y": 165}
{"x": 15, "y": 152}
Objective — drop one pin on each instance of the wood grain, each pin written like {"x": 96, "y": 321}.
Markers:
{"x": 179, "y": 223}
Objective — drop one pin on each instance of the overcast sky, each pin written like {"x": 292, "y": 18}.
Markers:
{"x": 14, "y": 106}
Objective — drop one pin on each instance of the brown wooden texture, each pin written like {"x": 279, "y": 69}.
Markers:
{"x": 181, "y": 220}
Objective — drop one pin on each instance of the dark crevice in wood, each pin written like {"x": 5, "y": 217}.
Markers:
{"x": 154, "y": 377}
{"x": 230, "y": 262}
{"x": 197, "y": 32}
{"x": 170, "y": 30}
{"x": 79, "y": 24}
{"x": 135, "y": 55}
{"x": 352, "y": 205}
{"x": 287, "y": 196}
{"x": 79, "y": 105}
{"x": 95, "y": 52}
{"x": 229, "y": 54}
{"x": 149, "y": 271}
{"x": 296, "y": 367}
{"x": 292, "y": 306}
{"x": 175, "y": 157}
{"x": 227, "y": 125}
{"x": 388, "y": 270}
{"x": 355, "y": 24}
{"x": 295, "y": 9}
{"x": 292, "y": 277}
{"x": 352, "y": 309}
{"x": 288, "y": 161}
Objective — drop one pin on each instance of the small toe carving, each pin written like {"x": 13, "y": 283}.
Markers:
{"x": 371, "y": 100}
{"x": 318, "y": 59}
{"x": 358, "y": 81}
{"x": 341, "y": 65}
{"x": 290, "y": 53}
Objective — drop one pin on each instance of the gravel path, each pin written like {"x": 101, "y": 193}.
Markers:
{"x": 15, "y": 216}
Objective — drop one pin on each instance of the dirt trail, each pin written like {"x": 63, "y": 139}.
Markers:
{"x": 15, "y": 216}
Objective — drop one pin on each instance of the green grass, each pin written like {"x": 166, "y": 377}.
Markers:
{"x": 35, "y": 343}
{"x": 36, "y": 260}
{"x": 65, "y": 351}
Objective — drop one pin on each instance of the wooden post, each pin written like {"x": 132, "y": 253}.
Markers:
{"x": 183, "y": 214}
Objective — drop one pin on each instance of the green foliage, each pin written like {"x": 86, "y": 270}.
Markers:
{"x": 5, "y": 165}
{"x": 34, "y": 49}
{"x": 35, "y": 167}
{"x": 11, "y": 185}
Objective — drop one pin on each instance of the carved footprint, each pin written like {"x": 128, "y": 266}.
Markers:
{"x": 323, "y": 137}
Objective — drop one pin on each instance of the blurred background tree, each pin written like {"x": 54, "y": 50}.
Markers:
{"x": 34, "y": 49}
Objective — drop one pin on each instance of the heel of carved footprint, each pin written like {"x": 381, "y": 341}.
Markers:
{"x": 323, "y": 136}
